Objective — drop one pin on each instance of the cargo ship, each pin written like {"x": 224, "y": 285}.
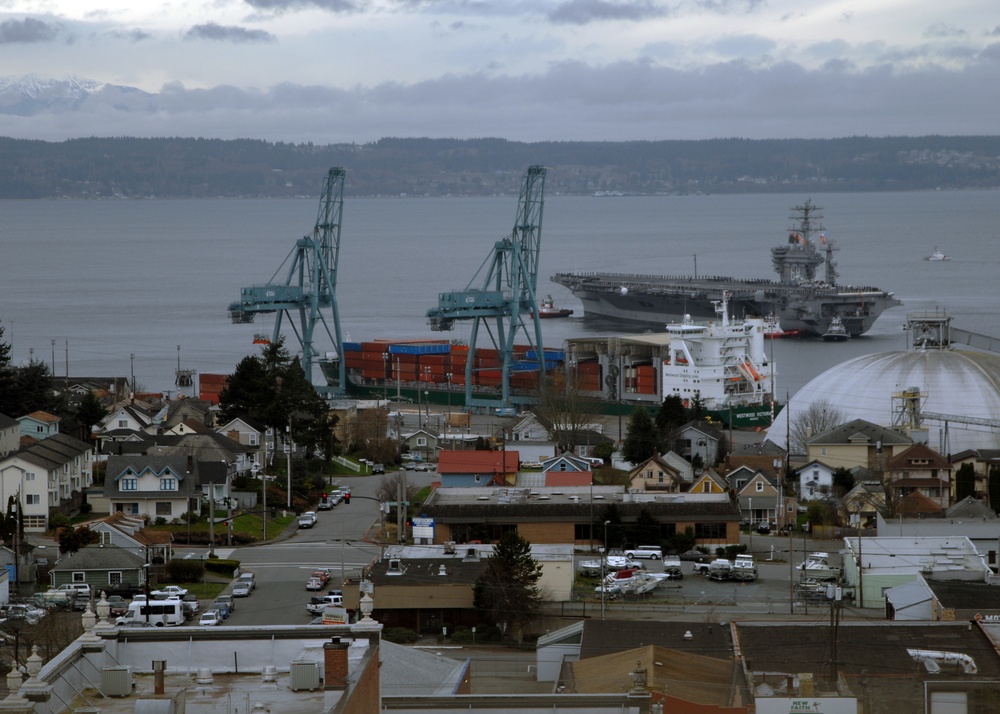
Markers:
{"x": 804, "y": 302}
{"x": 720, "y": 365}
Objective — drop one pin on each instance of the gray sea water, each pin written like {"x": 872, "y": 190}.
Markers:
{"x": 93, "y": 282}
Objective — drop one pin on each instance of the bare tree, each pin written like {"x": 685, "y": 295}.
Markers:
{"x": 566, "y": 410}
{"x": 818, "y": 418}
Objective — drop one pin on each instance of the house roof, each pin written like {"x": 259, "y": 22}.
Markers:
{"x": 427, "y": 571}
{"x": 704, "y": 427}
{"x": 42, "y": 416}
{"x": 6, "y": 422}
{"x": 100, "y": 557}
{"x": 965, "y": 595}
{"x": 860, "y": 430}
{"x": 52, "y": 452}
{"x": 568, "y": 478}
{"x": 408, "y": 672}
{"x": 471, "y": 462}
{"x": 916, "y": 502}
{"x": 906, "y": 459}
{"x": 970, "y": 507}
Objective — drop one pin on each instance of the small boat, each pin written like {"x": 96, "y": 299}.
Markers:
{"x": 773, "y": 330}
{"x": 836, "y": 332}
{"x": 937, "y": 256}
{"x": 548, "y": 309}
{"x": 817, "y": 567}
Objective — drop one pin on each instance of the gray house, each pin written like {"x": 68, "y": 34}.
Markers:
{"x": 103, "y": 567}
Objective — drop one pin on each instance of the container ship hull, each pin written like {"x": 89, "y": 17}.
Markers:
{"x": 802, "y": 299}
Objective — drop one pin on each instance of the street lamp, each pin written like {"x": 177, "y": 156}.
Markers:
{"x": 256, "y": 468}
{"x": 385, "y": 376}
{"x": 781, "y": 499}
{"x": 604, "y": 565}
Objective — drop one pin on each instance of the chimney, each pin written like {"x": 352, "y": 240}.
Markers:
{"x": 335, "y": 664}
{"x": 159, "y": 669}
{"x": 190, "y": 464}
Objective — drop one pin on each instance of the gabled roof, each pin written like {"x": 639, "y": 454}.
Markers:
{"x": 703, "y": 427}
{"x": 859, "y": 431}
{"x": 43, "y": 417}
{"x": 654, "y": 460}
{"x": 251, "y": 423}
{"x": 482, "y": 462}
{"x": 814, "y": 462}
{"x": 52, "y": 452}
{"x": 575, "y": 461}
{"x": 917, "y": 503}
{"x": 709, "y": 475}
{"x": 971, "y": 508}
{"x": 6, "y": 422}
{"x": 100, "y": 557}
{"x": 197, "y": 427}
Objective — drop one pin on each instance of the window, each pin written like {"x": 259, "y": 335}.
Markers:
{"x": 29, "y": 475}
{"x": 163, "y": 508}
{"x": 79, "y": 577}
{"x": 114, "y": 578}
{"x": 123, "y": 423}
{"x": 661, "y": 477}
{"x": 39, "y": 429}
{"x": 760, "y": 487}
{"x": 130, "y": 484}
{"x": 32, "y": 499}
{"x": 706, "y": 487}
{"x": 252, "y": 437}
{"x": 421, "y": 441}
{"x": 710, "y": 531}
{"x": 168, "y": 484}
{"x": 822, "y": 451}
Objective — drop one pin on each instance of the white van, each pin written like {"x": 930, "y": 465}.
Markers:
{"x": 161, "y": 613}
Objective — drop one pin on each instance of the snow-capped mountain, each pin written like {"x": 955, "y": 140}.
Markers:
{"x": 30, "y": 95}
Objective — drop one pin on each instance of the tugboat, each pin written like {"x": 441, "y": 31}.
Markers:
{"x": 773, "y": 330}
{"x": 937, "y": 256}
{"x": 548, "y": 309}
{"x": 836, "y": 332}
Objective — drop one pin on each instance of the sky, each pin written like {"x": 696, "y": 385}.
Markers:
{"x": 333, "y": 71}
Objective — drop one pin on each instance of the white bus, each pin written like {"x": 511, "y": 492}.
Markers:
{"x": 162, "y": 613}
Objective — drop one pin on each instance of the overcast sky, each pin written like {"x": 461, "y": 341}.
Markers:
{"x": 332, "y": 71}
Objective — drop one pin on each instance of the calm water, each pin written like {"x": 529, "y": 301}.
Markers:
{"x": 112, "y": 278}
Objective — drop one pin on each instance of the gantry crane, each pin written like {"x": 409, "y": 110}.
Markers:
{"x": 506, "y": 295}
{"x": 309, "y": 289}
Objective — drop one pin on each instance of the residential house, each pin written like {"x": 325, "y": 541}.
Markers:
{"x": 856, "y": 443}
{"x": 421, "y": 444}
{"x": 709, "y": 482}
{"x": 10, "y": 435}
{"x": 244, "y": 431}
{"x": 697, "y": 441}
{"x": 758, "y": 500}
{"x": 39, "y": 425}
{"x": 49, "y": 476}
{"x": 128, "y": 423}
{"x": 920, "y": 469}
{"x": 655, "y": 475}
{"x": 538, "y": 438}
{"x": 863, "y": 503}
{"x": 103, "y": 567}
{"x": 815, "y": 481}
{"x": 130, "y": 533}
{"x": 180, "y": 410}
{"x": 151, "y": 486}
{"x": 478, "y": 468}
{"x": 982, "y": 460}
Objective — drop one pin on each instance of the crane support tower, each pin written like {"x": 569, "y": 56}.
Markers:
{"x": 506, "y": 294}
{"x": 307, "y": 294}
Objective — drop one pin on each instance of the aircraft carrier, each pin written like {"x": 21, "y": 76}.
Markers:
{"x": 803, "y": 300}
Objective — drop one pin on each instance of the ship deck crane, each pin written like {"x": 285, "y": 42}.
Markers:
{"x": 505, "y": 295}
{"x": 307, "y": 293}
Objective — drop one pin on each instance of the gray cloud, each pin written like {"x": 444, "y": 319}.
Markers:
{"x": 134, "y": 35}
{"x": 941, "y": 30}
{"x": 227, "y": 33}
{"x": 280, "y": 5}
{"x": 28, "y": 30}
{"x": 582, "y": 12}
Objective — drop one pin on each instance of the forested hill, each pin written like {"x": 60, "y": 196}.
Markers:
{"x": 209, "y": 168}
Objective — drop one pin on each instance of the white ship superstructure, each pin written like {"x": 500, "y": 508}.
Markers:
{"x": 722, "y": 362}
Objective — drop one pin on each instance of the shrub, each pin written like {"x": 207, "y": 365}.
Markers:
{"x": 400, "y": 635}
{"x": 160, "y": 521}
{"x": 185, "y": 571}
{"x": 218, "y": 565}
{"x": 58, "y": 520}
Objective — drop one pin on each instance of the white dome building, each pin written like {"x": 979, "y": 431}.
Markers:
{"x": 960, "y": 384}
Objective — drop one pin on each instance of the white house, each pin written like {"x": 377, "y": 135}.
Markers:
{"x": 153, "y": 486}
{"x": 51, "y": 473}
{"x": 10, "y": 434}
{"x": 39, "y": 425}
{"x": 815, "y": 480}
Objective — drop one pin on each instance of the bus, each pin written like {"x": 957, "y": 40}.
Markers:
{"x": 161, "y": 613}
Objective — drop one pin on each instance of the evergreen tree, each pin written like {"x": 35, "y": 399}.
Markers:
{"x": 507, "y": 590}
{"x": 671, "y": 415}
{"x": 90, "y": 411}
{"x": 72, "y": 539}
{"x": 965, "y": 481}
{"x": 843, "y": 482}
{"x": 647, "y": 529}
{"x": 6, "y": 378}
{"x": 32, "y": 390}
{"x": 615, "y": 530}
{"x": 642, "y": 441}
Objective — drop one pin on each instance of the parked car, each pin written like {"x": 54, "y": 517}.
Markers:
{"x": 322, "y": 574}
{"x": 118, "y": 605}
{"x": 170, "y": 591}
{"x": 23, "y": 612}
{"x": 241, "y": 590}
{"x": 314, "y": 584}
{"x": 410, "y": 466}
{"x": 211, "y": 618}
{"x": 307, "y": 519}
{"x": 644, "y": 551}
{"x": 425, "y": 466}
{"x": 191, "y": 604}
{"x": 378, "y": 469}
{"x": 222, "y": 608}
{"x": 228, "y": 599}
{"x": 695, "y": 555}
{"x": 247, "y": 577}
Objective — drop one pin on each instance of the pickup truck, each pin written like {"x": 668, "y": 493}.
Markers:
{"x": 316, "y": 605}
{"x": 307, "y": 519}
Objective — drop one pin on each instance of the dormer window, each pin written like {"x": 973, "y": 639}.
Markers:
{"x": 168, "y": 484}
{"x": 130, "y": 484}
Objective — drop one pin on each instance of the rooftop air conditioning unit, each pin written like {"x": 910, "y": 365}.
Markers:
{"x": 116, "y": 681}
{"x": 449, "y": 547}
{"x": 304, "y": 675}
